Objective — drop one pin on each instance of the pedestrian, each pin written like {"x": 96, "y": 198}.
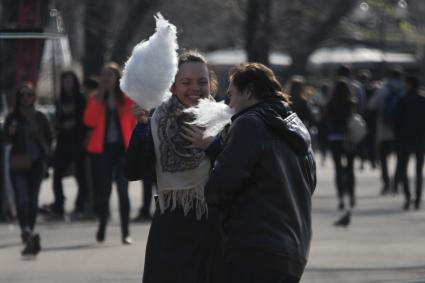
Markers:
{"x": 384, "y": 102}
{"x": 108, "y": 115}
{"x": 341, "y": 106}
{"x": 262, "y": 181}
{"x": 184, "y": 242}
{"x": 296, "y": 89}
{"x": 29, "y": 133}
{"x": 410, "y": 139}
{"x": 70, "y": 132}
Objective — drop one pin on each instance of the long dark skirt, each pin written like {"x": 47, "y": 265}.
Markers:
{"x": 183, "y": 249}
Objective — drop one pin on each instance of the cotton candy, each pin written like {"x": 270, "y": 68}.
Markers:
{"x": 211, "y": 115}
{"x": 149, "y": 72}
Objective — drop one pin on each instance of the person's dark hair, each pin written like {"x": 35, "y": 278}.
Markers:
{"x": 344, "y": 71}
{"x": 342, "y": 98}
{"x": 29, "y": 87}
{"x": 364, "y": 76}
{"x": 295, "y": 88}
{"x": 259, "y": 79}
{"x": 413, "y": 82}
{"x": 191, "y": 55}
{"x": 75, "y": 86}
{"x": 115, "y": 68}
{"x": 396, "y": 72}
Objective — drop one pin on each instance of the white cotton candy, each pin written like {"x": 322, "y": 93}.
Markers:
{"x": 150, "y": 71}
{"x": 212, "y": 115}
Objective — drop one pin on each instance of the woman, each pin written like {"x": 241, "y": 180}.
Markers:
{"x": 262, "y": 181}
{"x": 29, "y": 133}
{"x": 108, "y": 115}
{"x": 297, "y": 91}
{"x": 183, "y": 239}
{"x": 69, "y": 147}
{"x": 340, "y": 107}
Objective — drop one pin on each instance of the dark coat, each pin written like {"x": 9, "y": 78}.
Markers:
{"x": 262, "y": 183}
{"x": 409, "y": 126}
{"x": 41, "y": 132}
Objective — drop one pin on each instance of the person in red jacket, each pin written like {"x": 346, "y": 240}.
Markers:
{"x": 108, "y": 115}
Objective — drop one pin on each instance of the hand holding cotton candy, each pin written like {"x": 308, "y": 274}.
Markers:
{"x": 150, "y": 71}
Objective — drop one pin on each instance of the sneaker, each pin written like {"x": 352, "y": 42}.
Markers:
{"x": 127, "y": 240}
{"x": 32, "y": 248}
{"x": 100, "y": 235}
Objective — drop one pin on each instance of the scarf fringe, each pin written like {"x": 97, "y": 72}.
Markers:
{"x": 186, "y": 199}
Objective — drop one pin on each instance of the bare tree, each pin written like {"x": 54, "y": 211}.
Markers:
{"x": 258, "y": 30}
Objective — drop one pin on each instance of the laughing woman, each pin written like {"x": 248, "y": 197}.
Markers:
{"x": 183, "y": 237}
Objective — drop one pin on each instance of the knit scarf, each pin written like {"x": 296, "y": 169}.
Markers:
{"x": 182, "y": 172}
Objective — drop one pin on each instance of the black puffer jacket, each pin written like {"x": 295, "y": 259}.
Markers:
{"x": 262, "y": 182}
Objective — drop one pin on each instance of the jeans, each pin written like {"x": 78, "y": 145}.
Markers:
{"x": 344, "y": 170}
{"x": 26, "y": 186}
{"x": 108, "y": 167}
{"x": 403, "y": 154}
{"x": 63, "y": 160}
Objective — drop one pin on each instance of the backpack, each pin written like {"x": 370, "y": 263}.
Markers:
{"x": 390, "y": 106}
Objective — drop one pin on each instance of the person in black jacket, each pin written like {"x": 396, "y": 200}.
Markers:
{"x": 262, "y": 181}
{"x": 69, "y": 146}
{"x": 410, "y": 138}
{"x": 29, "y": 133}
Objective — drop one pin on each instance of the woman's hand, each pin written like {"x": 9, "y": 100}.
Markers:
{"x": 196, "y": 136}
{"x": 142, "y": 115}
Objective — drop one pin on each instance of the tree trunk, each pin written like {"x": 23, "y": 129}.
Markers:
{"x": 258, "y": 28}
{"x": 97, "y": 18}
{"x": 300, "y": 55}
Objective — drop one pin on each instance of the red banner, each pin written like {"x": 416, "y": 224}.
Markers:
{"x": 28, "y": 51}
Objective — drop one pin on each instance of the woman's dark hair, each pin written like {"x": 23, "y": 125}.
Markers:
{"x": 295, "y": 88}
{"x": 191, "y": 55}
{"x": 342, "y": 99}
{"x": 75, "y": 85}
{"x": 20, "y": 94}
{"x": 115, "y": 68}
{"x": 259, "y": 79}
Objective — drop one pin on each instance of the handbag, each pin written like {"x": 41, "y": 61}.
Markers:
{"x": 20, "y": 162}
{"x": 356, "y": 128}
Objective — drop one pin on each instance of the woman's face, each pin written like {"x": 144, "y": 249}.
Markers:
{"x": 238, "y": 100}
{"x": 68, "y": 84}
{"x": 108, "y": 79}
{"x": 192, "y": 83}
{"x": 28, "y": 97}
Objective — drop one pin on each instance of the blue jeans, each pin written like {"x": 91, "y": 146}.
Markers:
{"x": 108, "y": 167}
{"x": 26, "y": 186}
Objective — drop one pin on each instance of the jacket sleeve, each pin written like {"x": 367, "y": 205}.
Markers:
{"x": 92, "y": 112}
{"x": 234, "y": 165}
{"x": 140, "y": 157}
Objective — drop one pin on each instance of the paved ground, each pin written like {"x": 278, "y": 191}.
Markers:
{"x": 383, "y": 244}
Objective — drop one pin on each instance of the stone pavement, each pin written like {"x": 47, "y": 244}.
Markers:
{"x": 383, "y": 243}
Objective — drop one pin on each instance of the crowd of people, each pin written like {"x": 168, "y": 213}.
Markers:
{"x": 228, "y": 208}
